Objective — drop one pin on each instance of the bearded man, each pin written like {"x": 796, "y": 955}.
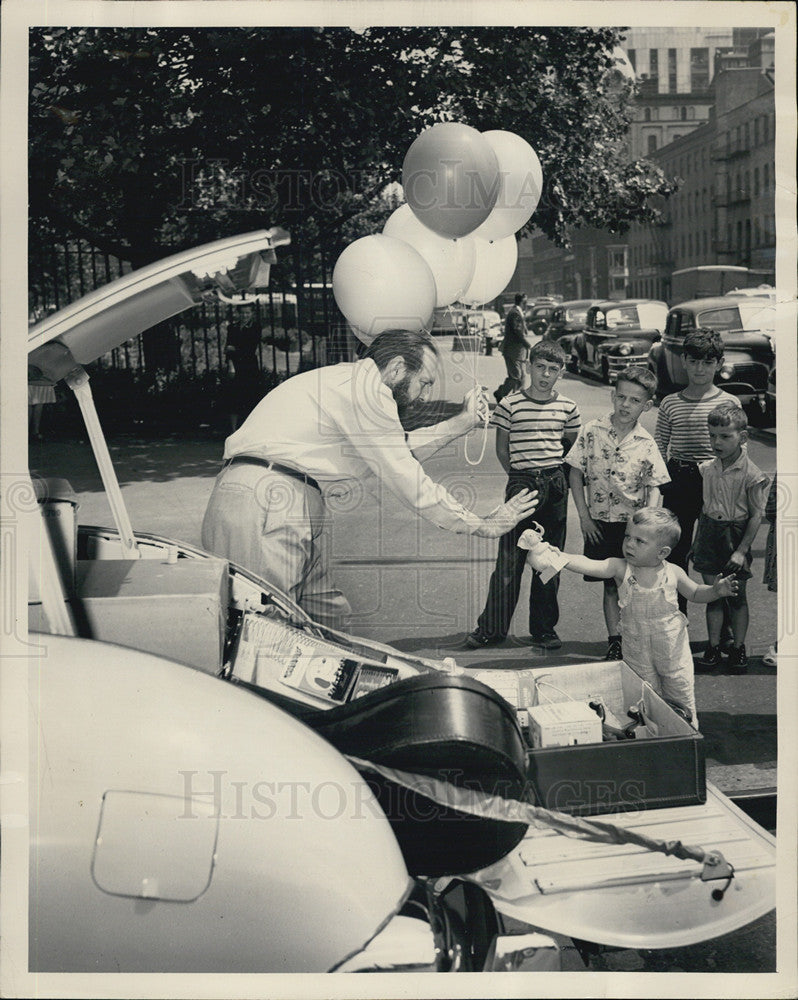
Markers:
{"x": 341, "y": 422}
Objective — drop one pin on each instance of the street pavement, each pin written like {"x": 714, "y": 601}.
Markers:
{"x": 421, "y": 589}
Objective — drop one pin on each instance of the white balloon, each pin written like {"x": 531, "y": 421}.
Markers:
{"x": 381, "y": 283}
{"x": 451, "y": 261}
{"x": 520, "y": 185}
{"x": 495, "y": 266}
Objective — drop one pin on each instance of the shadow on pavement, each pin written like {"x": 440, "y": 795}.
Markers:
{"x": 135, "y": 461}
{"x": 739, "y": 738}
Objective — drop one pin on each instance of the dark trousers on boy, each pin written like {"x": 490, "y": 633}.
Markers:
{"x": 505, "y": 583}
{"x": 685, "y": 497}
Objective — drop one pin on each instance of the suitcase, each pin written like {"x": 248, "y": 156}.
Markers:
{"x": 437, "y": 725}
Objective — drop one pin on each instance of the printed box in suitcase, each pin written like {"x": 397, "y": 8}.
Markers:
{"x": 666, "y": 768}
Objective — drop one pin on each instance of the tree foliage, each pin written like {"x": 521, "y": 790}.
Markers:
{"x": 146, "y": 141}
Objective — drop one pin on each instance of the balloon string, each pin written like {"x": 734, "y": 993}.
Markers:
{"x": 469, "y": 460}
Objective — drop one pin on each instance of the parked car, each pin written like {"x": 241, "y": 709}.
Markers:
{"x": 538, "y": 315}
{"x": 769, "y": 418}
{"x": 746, "y": 324}
{"x": 187, "y": 714}
{"x": 567, "y": 320}
{"x": 485, "y": 322}
{"x": 447, "y": 321}
{"x": 617, "y": 334}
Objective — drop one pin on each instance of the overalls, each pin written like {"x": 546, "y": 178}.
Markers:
{"x": 655, "y": 641}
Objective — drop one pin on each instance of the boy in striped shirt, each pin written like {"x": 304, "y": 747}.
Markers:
{"x": 534, "y": 429}
{"x": 682, "y": 435}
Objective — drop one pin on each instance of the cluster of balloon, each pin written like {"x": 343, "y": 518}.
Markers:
{"x": 467, "y": 194}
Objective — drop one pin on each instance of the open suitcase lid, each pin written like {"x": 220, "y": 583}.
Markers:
{"x": 625, "y": 896}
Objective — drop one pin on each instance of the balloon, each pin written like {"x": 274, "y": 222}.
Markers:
{"x": 451, "y": 261}
{"x": 450, "y": 178}
{"x": 495, "y": 266}
{"x": 520, "y": 185}
{"x": 381, "y": 283}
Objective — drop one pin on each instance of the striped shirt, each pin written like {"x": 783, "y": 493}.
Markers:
{"x": 682, "y": 431}
{"x": 536, "y": 429}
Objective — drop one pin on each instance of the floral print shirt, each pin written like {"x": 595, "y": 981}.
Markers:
{"x": 618, "y": 473}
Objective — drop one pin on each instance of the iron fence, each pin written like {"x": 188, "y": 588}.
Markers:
{"x": 300, "y": 324}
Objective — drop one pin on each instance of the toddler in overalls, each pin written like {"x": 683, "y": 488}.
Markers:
{"x": 655, "y": 642}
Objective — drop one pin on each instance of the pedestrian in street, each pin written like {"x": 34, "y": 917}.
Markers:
{"x": 341, "y": 422}
{"x": 534, "y": 428}
{"x": 682, "y": 434}
{"x": 241, "y": 351}
{"x": 655, "y": 641}
{"x": 617, "y": 462}
{"x": 516, "y": 346}
{"x": 734, "y": 493}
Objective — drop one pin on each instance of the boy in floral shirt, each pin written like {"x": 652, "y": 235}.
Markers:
{"x": 617, "y": 463}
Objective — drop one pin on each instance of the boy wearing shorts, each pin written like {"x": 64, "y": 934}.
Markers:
{"x": 616, "y": 469}
{"x": 734, "y": 494}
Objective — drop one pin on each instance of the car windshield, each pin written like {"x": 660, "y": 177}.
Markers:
{"x": 575, "y": 315}
{"x": 727, "y": 318}
{"x": 625, "y": 316}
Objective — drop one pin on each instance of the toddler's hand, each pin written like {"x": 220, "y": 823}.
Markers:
{"x": 726, "y": 586}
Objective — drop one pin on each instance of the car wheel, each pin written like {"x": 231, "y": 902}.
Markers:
{"x": 756, "y": 416}
{"x": 539, "y": 328}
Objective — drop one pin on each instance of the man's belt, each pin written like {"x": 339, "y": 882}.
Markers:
{"x": 285, "y": 470}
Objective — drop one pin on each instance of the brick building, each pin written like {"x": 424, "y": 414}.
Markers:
{"x": 723, "y": 155}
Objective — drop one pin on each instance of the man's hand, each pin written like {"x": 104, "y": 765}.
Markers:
{"x": 590, "y": 529}
{"x": 506, "y": 516}
{"x": 735, "y": 563}
{"x": 726, "y": 586}
{"x": 475, "y": 407}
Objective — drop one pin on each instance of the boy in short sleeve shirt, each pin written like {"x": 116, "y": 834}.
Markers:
{"x": 616, "y": 469}
{"x": 534, "y": 426}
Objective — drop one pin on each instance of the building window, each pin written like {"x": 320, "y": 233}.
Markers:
{"x": 647, "y": 114}
{"x": 672, "y": 71}
{"x": 653, "y": 63}
{"x": 631, "y": 55}
{"x": 683, "y": 114}
{"x": 617, "y": 259}
{"x": 764, "y": 128}
{"x": 689, "y": 244}
{"x": 757, "y": 233}
{"x": 747, "y": 188}
{"x": 675, "y": 113}
{"x": 747, "y": 134}
{"x": 699, "y": 69}
{"x": 766, "y": 177}
{"x": 652, "y": 144}
{"x": 756, "y": 130}
{"x": 706, "y": 243}
{"x": 756, "y": 182}
{"x": 691, "y": 112}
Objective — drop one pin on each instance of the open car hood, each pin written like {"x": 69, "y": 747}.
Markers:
{"x": 107, "y": 317}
